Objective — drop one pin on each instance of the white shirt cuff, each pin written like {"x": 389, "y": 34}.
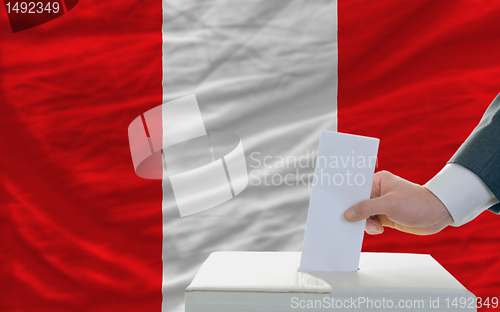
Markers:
{"x": 462, "y": 192}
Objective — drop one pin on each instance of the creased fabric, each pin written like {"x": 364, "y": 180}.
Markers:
{"x": 80, "y": 231}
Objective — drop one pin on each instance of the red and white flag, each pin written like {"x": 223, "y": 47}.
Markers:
{"x": 81, "y": 230}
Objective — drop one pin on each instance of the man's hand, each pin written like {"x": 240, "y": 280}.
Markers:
{"x": 402, "y": 205}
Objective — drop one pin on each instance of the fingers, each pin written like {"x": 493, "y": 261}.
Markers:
{"x": 376, "y": 188}
{"x": 384, "y": 221}
{"x": 380, "y": 202}
{"x": 380, "y": 179}
{"x": 369, "y": 207}
{"x": 373, "y": 226}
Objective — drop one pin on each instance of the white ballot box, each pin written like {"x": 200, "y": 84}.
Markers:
{"x": 270, "y": 281}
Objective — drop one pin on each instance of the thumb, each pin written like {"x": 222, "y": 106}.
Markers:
{"x": 367, "y": 208}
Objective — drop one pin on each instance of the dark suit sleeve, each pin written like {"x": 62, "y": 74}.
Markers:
{"x": 480, "y": 153}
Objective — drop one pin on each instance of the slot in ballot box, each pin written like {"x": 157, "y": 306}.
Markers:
{"x": 271, "y": 282}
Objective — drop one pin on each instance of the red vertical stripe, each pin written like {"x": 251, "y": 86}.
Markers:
{"x": 80, "y": 230}
{"x": 419, "y": 75}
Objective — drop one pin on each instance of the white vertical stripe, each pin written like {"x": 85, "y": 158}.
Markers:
{"x": 266, "y": 71}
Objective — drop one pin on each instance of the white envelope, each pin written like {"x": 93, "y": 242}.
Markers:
{"x": 343, "y": 176}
